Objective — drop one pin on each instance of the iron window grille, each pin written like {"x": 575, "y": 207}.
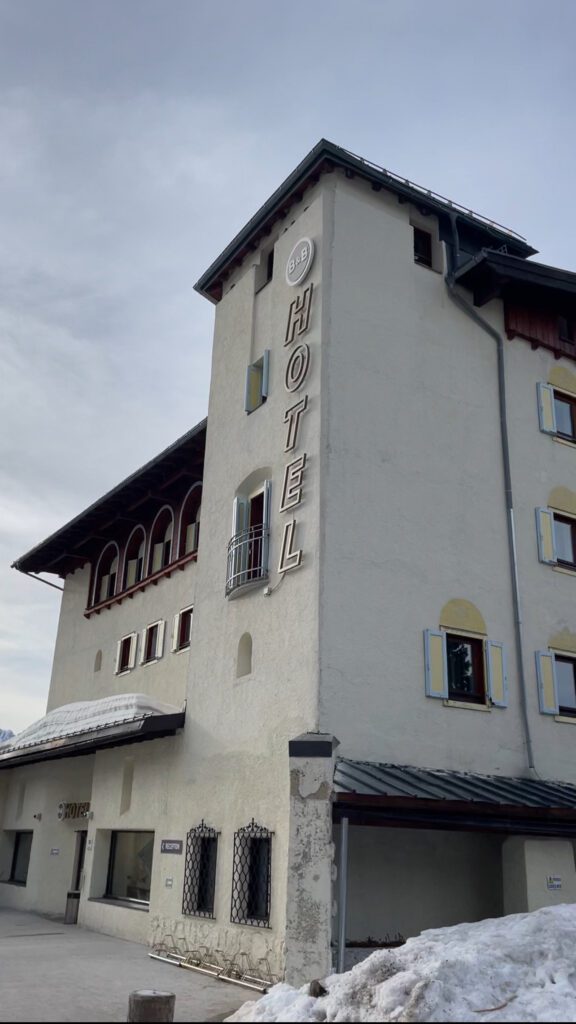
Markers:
{"x": 200, "y": 871}
{"x": 251, "y": 876}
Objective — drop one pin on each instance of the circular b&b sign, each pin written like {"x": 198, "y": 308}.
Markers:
{"x": 299, "y": 261}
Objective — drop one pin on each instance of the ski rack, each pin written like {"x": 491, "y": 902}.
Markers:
{"x": 238, "y": 970}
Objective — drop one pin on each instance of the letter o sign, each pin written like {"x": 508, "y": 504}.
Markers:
{"x": 297, "y": 369}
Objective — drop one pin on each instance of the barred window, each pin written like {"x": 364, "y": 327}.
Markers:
{"x": 251, "y": 876}
{"x": 200, "y": 871}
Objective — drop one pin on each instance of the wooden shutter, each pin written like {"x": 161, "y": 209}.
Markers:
{"x": 158, "y": 557}
{"x": 143, "y": 645}
{"x": 239, "y": 515}
{"x": 104, "y": 583}
{"x": 266, "y": 524}
{"x": 160, "y": 639}
{"x": 265, "y": 373}
{"x": 436, "y": 664}
{"x": 118, "y": 650}
{"x": 190, "y": 543}
{"x": 547, "y": 688}
{"x": 546, "y": 410}
{"x": 253, "y": 392}
{"x": 497, "y": 682}
{"x": 175, "y": 630}
{"x": 131, "y": 572}
{"x": 545, "y": 534}
{"x": 133, "y": 646}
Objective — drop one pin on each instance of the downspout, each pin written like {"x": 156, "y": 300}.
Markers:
{"x": 470, "y": 312}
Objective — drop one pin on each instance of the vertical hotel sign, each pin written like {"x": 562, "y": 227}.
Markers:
{"x": 297, "y": 368}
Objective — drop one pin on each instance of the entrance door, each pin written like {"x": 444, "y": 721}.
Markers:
{"x": 79, "y": 859}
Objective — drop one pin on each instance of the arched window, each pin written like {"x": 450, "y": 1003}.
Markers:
{"x": 161, "y": 540}
{"x": 106, "y": 573}
{"x": 244, "y": 659}
{"x": 134, "y": 557}
{"x": 190, "y": 521}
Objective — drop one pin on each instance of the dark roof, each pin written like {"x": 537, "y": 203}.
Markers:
{"x": 326, "y": 156}
{"x": 490, "y": 275}
{"x": 367, "y": 778}
{"x": 73, "y": 544}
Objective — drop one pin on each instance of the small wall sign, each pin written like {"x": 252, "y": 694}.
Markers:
{"x": 299, "y": 261}
{"x": 54, "y": 851}
{"x": 171, "y": 846}
{"x": 553, "y": 882}
{"x": 169, "y": 883}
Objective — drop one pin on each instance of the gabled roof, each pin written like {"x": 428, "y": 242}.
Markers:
{"x": 325, "y": 157}
{"x": 72, "y": 545}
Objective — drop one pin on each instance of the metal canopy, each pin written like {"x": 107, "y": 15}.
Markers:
{"x": 403, "y": 795}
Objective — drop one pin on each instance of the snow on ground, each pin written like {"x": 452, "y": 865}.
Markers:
{"x": 518, "y": 968}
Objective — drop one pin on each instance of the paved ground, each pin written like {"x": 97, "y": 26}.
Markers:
{"x": 55, "y": 972}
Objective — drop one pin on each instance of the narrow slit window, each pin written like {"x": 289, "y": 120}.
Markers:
{"x": 422, "y": 247}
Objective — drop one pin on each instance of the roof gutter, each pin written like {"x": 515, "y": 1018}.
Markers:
{"x": 471, "y": 313}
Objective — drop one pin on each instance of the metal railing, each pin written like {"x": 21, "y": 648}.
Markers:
{"x": 247, "y": 558}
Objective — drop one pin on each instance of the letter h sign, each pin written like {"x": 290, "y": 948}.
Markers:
{"x": 299, "y": 315}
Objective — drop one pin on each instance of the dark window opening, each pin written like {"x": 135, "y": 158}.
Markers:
{"x": 270, "y": 266}
{"x": 565, "y": 539}
{"x": 130, "y": 866}
{"x": 21, "y": 857}
{"x": 151, "y": 646}
{"x": 465, "y": 669}
{"x": 422, "y": 247}
{"x": 184, "y": 629}
{"x": 134, "y": 559}
{"x": 161, "y": 542}
{"x": 565, "y": 410}
{"x": 251, "y": 878}
{"x": 565, "y": 669}
{"x": 125, "y": 652}
{"x": 200, "y": 872}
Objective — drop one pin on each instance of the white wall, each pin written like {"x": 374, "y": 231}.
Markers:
{"x": 406, "y": 880}
{"x": 80, "y": 638}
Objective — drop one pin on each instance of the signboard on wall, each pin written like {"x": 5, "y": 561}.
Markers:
{"x": 67, "y": 811}
{"x": 171, "y": 846}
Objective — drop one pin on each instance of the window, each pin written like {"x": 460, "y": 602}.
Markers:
{"x": 182, "y": 630}
{"x": 190, "y": 522}
{"x": 566, "y": 329}
{"x": 557, "y": 412}
{"x": 556, "y": 675}
{"x": 21, "y": 857}
{"x": 265, "y": 270}
{"x": 106, "y": 573}
{"x": 152, "y": 642}
{"x": 200, "y": 871}
{"x": 257, "y": 383}
{"x": 422, "y": 247}
{"x": 556, "y": 534}
{"x": 465, "y": 669}
{"x": 251, "y": 877}
{"x": 465, "y": 657}
{"x": 161, "y": 541}
{"x": 134, "y": 558}
{"x": 248, "y": 548}
{"x": 130, "y": 866}
{"x": 244, "y": 657}
{"x": 126, "y": 653}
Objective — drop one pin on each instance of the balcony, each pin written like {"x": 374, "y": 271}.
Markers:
{"x": 247, "y": 559}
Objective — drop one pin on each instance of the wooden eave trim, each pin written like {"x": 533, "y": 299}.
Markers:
{"x": 180, "y": 563}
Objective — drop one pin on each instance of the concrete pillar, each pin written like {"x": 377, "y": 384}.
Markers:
{"x": 537, "y": 873}
{"x": 310, "y": 858}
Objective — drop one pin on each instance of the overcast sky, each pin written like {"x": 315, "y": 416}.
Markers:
{"x": 138, "y": 136}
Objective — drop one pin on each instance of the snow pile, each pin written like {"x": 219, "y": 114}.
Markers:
{"x": 518, "y": 968}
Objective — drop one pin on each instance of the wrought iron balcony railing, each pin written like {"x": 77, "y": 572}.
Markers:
{"x": 247, "y": 558}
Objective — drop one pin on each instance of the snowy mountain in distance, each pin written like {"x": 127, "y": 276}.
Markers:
{"x": 5, "y": 734}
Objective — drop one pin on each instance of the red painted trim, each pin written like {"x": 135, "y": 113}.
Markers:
{"x": 180, "y": 563}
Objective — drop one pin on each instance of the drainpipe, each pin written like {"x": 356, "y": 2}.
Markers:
{"x": 470, "y": 312}
{"x": 342, "y": 893}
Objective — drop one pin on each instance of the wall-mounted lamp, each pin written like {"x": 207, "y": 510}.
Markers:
{"x": 88, "y": 814}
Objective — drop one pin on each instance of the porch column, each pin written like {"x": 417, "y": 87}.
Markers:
{"x": 310, "y": 858}
{"x": 537, "y": 873}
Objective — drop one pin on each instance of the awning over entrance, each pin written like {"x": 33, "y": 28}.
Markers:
{"x": 87, "y": 726}
{"x": 370, "y": 793}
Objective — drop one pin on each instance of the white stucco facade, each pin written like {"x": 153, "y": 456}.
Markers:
{"x": 392, "y": 522}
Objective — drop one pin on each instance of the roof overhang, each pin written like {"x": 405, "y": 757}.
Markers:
{"x": 76, "y": 542}
{"x": 326, "y": 157}
{"x": 88, "y": 726}
{"x": 401, "y": 796}
{"x": 494, "y": 275}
